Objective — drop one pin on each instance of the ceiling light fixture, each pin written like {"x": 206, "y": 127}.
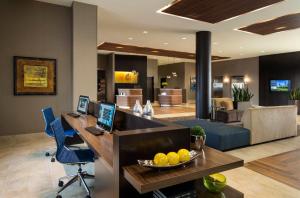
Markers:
{"x": 145, "y": 32}
{"x": 130, "y": 38}
{"x": 166, "y": 43}
{"x": 215, "y": 43}
{"x": 155, "y": 51}
{"x": 119, "y": 47}
{"x": 183, "y": 38}
{"x": 262, "y": 51}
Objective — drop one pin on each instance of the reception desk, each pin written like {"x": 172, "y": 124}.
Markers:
{"x": 116, "y": 170}
{"x": 126, "y": 98}
{"x": 170, "y": 97}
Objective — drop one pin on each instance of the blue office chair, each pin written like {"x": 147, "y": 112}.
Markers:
{"x": 68, "y": 156}
{"x": 48, "y": 118}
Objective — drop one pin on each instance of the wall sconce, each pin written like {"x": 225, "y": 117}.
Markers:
{"x": 226, "y": 79}
{"x": 246, "y": 79}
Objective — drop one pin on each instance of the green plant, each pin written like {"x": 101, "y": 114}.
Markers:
{"x": 198, "y": 131}
{"x": 241, "y": 94}
{"x": 295, "y": 94}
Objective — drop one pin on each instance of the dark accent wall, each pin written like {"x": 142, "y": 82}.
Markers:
{"x": 34, "y": 29}
{"x": 129, "y": 63}
{"x": 277, "y": 67}
{"x": 173, "y": 82}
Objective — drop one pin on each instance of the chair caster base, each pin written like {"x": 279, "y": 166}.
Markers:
{"x": 60, "y": 183}
{"x": 52, "y": 159}
{"x": 58, "y": 196}
{"x": 47, "y": 154}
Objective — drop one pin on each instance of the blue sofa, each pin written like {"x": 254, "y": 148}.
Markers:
{"x": 219, "y": 135}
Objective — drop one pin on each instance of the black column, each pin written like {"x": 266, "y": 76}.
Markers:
{"x": 203, "y": 74}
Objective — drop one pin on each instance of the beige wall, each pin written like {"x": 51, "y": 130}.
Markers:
{"x": 241, "y": 67}
{"x": 84, "y": 51}
{"x": 33, "y": 29}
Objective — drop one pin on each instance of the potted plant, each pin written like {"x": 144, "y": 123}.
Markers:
{"x": 241, "y": 97}
{"x": 294, "y": 98}
{"x": 198, "y": 137}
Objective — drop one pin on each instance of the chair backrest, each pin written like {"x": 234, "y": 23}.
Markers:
{"x": 48, "y": 118}
{"x": 59, "y": 134}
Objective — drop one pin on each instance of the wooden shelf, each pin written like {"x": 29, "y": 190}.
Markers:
{"x": 146, "y": 180}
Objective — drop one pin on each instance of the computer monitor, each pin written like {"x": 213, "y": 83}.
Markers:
{"x": 83, "y": 104}
{"x": 106, "y": 116}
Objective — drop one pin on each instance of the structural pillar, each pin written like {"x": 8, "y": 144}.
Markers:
{"x": 203, "y": 74}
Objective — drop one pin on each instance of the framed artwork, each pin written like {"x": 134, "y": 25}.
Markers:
{"x": 34, "y": 76}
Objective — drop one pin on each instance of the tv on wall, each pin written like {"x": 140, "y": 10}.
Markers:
{"x": 280, "y": 85}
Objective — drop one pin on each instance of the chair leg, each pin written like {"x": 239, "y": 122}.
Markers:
{"x": 74, "y": 179}
{"x": 85, "y": 185}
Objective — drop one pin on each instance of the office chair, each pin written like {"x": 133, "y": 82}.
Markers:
{"x": 68, "y": 156}
{"x": 48, "y": 118}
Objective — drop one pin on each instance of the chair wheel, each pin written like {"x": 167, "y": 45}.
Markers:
{"x": 88, "y": 196}
{"x": 47, "y": 154}
{"x": 60, "y": 184}
{"x": 52, "y": 159}
{"x": 58, "y": 196}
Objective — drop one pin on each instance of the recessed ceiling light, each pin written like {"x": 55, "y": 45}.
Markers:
{"x": 166, "y": 43}
{"x": 145, "y": 32}
{"x": 215, "y": 43}
{"x": 119, "y": 47}
{"x": 280, "y": 28}
{"x": 183, "y": 38}
{"x": 262, "y": 51}
{"x": 155, "y": 51}
{"x": 130, "y": 38}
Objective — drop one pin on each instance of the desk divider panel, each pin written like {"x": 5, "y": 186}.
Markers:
{"x": 142, "y": 139}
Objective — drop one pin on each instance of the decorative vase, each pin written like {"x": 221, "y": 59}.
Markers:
{"x": 148, "y": 109}
{"x": 200, "y": 142}
{"x": 243, "y": 106}
{"x": 138, "y": 109}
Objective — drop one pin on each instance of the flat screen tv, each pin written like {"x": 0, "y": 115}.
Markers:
{"x": 280, "y": 85}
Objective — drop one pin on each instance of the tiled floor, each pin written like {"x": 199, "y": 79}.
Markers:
{"x": 26, "y": 172}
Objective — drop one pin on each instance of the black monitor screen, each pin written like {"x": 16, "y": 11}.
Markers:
{"x": 106, "y": 115}
{"x": 83, "y": 104}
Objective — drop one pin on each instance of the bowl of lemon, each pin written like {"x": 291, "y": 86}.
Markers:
{"x": 171, "y": 159}
{"x": 215, "y": 182}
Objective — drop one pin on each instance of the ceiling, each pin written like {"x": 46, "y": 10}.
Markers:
{"x": 125, "y": 22}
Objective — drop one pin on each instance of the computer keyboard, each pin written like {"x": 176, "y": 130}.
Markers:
{"x": 74, "y": 115}
{"x": 95, "y": 130}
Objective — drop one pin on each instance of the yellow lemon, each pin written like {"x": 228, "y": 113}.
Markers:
{"x": 173, "y": 158}
{"x": 218, "y": 177}
{"x": 184, "y": 155}
{"x": 160, "y": 159}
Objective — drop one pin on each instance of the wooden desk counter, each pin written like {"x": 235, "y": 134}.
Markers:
{"x": 146, "y": 179}
{"x": 102, "y": 145}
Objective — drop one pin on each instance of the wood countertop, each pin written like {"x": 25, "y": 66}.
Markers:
{"x": 102, "y": 145}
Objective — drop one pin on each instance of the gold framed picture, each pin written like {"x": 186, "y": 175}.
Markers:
{"x": 34, "y": 76}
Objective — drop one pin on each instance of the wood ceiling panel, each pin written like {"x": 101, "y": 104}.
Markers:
{"x": 283, "y": 23}
{"x": 115, "y": 47}
{"x": 214, "y": 11}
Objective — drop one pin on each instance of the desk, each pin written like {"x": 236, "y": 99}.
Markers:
{"x": 140, "y": 138}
